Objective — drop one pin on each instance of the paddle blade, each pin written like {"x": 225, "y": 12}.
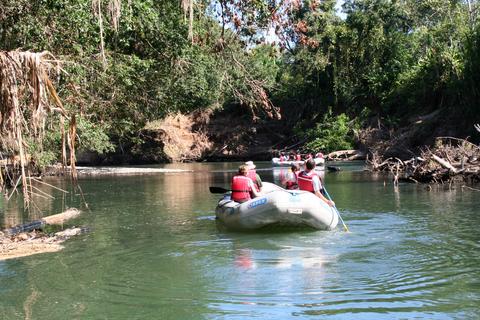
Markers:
{"x": 218, "y": 190}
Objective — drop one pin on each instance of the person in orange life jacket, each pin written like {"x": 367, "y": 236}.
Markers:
{"x": 308, "y": 180}
{"x": 291, "y": 180}
{"x": 242, "y": 186}
{"x": 252, "y": 174}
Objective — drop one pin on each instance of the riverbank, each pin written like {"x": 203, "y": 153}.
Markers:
{"x": 28, "y": 239}
{"x": 450, "y": 160}
{"x": 202, "y": 135}
{"x": 35, "y": 242}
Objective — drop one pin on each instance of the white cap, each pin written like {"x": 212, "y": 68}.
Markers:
{"x": 250, "y": 165}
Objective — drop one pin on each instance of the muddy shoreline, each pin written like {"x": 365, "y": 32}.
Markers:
{"x": 28, "y": 239}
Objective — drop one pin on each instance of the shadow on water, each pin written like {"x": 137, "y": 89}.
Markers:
{"x": 269, "y": 229}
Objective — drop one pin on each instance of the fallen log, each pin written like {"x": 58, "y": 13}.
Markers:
{"x": 358, "y": 156}
{"x": 39, "y": 224}
{"x": 346, "y": 154}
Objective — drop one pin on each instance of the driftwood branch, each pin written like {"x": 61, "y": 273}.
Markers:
{"x": 470, "y": 188}
{"x": 48, "y": 184}
{"x": 444, "y": 163}
{"x": 451, "y": 159}
{"x": 460, "y": 140}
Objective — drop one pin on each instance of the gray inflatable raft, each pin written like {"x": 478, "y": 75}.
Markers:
{"x": 277, "y": 206}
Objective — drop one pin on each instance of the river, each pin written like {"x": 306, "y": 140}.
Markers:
{"x": 155, "y": 251}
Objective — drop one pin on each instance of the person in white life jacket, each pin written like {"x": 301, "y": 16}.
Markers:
{"x": 291, "y": 180}
{"x": 243, "y": 188}
{"x": 252, "y": 174}
{"x": 308, "y": 180}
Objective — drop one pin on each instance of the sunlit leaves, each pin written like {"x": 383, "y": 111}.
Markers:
{"x": 330, "y": 134}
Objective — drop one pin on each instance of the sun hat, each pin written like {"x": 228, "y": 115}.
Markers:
{"x": 250, "y": 165}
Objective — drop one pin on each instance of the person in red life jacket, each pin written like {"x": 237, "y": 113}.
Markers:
{"x": 242, "y": 186}
{"x": 282, "y": 157}
{"x": 308, "y": 180}
{"x": 252, "y": 174}
{"x": 291, "y": 180}
{"x": 298, "y": 157}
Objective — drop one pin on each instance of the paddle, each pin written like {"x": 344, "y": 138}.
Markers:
{"x": 218, "y": 190}
{"x": 339, "y": 216}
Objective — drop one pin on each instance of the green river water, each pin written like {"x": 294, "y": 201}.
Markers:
{"x": 155, "y": 251}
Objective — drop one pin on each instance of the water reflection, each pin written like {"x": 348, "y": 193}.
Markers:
{"x": 283, "y": 258}
{"x": 46, "y": 200}
{"x": 244, "y": 260}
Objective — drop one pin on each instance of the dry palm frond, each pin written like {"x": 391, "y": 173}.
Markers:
{"x": 72, "y": 133}
{"x": 115, "y": 11}
{"x": 27, "y": 97}
{"x": 97, "y": 10}
{"x": 187, "y": 6}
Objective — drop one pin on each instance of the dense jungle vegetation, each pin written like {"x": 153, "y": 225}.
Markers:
{"x": 381, "y": 63}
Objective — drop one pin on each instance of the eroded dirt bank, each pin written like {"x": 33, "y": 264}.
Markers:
{"x": 217, "y": 136}
{"x": 202, "y": 135}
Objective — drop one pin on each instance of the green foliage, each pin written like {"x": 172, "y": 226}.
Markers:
{"x": 195, "y": 78}
{"x": 92, "y": 137}
{"x": 379, "y": 39}
{"x": 49, "y": 151}
{"x": 470, "y": 89}
{"x": 44, "y": 158}
{"x": 307, "y": 74}
{"x": 332, "y": 133}
{"x": 394, "y": 59}
{"x": 263, "y": 64}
